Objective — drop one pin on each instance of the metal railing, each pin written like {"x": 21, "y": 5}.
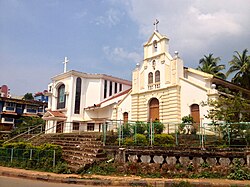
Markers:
{"x": 23, "y": 156}
{"x": 29, "y": 131}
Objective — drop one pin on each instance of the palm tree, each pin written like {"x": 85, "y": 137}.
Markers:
{"x": 209, "y": 64}
{"x": 240, "y": 65}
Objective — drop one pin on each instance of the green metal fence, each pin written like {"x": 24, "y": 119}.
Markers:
{"x": 203, "y": 136}
{"x": 30, "y": 158}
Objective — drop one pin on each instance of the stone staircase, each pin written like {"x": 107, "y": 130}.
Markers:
{"x": 79, "y": 150}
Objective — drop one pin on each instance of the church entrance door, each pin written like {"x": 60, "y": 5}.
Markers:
{"x": 154, "y": 109}
{"x": 195, "y": 113}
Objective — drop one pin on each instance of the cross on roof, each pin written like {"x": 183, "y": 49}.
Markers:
{"x": 65, "y": 64}
{"x": 156, "y": 24}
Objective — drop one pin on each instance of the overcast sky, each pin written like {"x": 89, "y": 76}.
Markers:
{"x": 107, "y": 36}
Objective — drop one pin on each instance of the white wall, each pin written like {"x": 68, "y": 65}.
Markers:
{"x": 191, "y": 94}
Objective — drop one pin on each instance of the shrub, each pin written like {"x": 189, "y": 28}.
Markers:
{"x": 128, "y": 141}
{"x": 141, "y": 139}
{"x": 163, "y": 139}
{"x": 238, "y": 172}
{"x": 140, "y": 127}
{"x": 158, "y": 127}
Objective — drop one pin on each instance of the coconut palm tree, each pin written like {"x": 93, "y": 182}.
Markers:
{"x": 240, "y": 65}
{"x": 209, "y": 64}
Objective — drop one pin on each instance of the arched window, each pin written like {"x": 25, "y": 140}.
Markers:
{"x": 78, "y": 95}
{"x": 154, "y": 109}
{"x": 125, "y": 117}
{"x": 157, "y": 76}
{"x": 195, "y": 113}
{"x": 61, "y": 99}
{"x": 150, "y": 78}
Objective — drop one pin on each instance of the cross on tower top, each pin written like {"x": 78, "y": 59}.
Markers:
{"x": 65, "y": 64}
{"x": 156, "y": 22}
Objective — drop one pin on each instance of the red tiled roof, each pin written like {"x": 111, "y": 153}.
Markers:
{"x": 57, "y": 114}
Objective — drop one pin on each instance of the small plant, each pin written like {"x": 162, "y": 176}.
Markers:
{"x": 178, "y": 166}
{"x": 205, "y": 165}
{"x": 238, "y": 172}
{"x": 190, "y": 167}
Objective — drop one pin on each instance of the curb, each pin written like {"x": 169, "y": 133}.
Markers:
{"x": 121, "y": 181}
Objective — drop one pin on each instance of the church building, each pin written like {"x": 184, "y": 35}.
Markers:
{"x": 162, "y": 89}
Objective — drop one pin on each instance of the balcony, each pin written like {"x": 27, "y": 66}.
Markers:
{"x": 154, "y": 86}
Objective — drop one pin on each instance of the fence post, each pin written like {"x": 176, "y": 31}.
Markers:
{"x": 30, "y": 154}
{"x": 176, "y": 135}
{"x": 11, "y": 155}
{"x": 151, "y": 132}
{"x": 119, "y": 136}
{"x": 104, "y": 133}
{"x": 54, "y": 158}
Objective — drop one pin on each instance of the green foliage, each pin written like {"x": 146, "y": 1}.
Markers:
{"x": 187, "y": 119}
{"x": 238, "y": 172}
{"x": 27, "y": 121}
{"x": 233, "y": 110}
{"x": 158, "y": 127}
{"x": 240, "y": 66}
{"x": 141, "y": 127}
{"x": 127, "y": 131}
{"x": 141, "y": 139}
{"x": 101, "y": 169}
{"x": 209, "y": 64}
{"x": 182, "y": 184}
{"x": 28, "y": 96}
{"x": 28, "y": 156}
{"x": 163, "y": 139}
{"x": 61, "y": 167}
{"x": 229, "y": 109}
{"x": 128, "y": 141}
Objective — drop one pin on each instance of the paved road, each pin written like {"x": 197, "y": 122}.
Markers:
{"x": 17, "y": 182}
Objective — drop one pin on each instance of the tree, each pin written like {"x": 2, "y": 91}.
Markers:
{"x": 234, "y": 111}
{"x": 28, "y": 96}
{"x": 209, "y": 64}
{"x": 240, "y": 65}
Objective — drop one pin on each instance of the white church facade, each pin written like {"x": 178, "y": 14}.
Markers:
{"x": 161, "y": 89}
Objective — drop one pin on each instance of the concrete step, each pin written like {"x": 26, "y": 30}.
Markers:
{"x": 82, "y": 154}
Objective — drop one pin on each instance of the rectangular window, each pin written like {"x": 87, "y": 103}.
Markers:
{"x": 10, "y": 106}
{"x": 105, "y": 88}
{"x": 76, "y": 126}
{"x": 110, "y": 88}
{"x": 90, "y": 126}
{"x": 120, "y": 87}
{"x": 115, "y": 87}
{"x": 31, "y": 109}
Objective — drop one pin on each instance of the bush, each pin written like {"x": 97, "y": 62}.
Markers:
{"x": 163, "y": 139}
{"x": 158, "y": 127}
{"x": 238, "y": 172}
{"x": 141, "y": 139}
{"x": 128, "y": 141}
{"x": 140, "y": 127}
{"x": 28, "y": 156}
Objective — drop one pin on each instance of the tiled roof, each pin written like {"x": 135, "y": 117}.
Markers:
{"x": 57, "y": 114}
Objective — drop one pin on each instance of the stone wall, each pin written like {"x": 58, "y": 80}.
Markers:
{"x": 173, "y": 156}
